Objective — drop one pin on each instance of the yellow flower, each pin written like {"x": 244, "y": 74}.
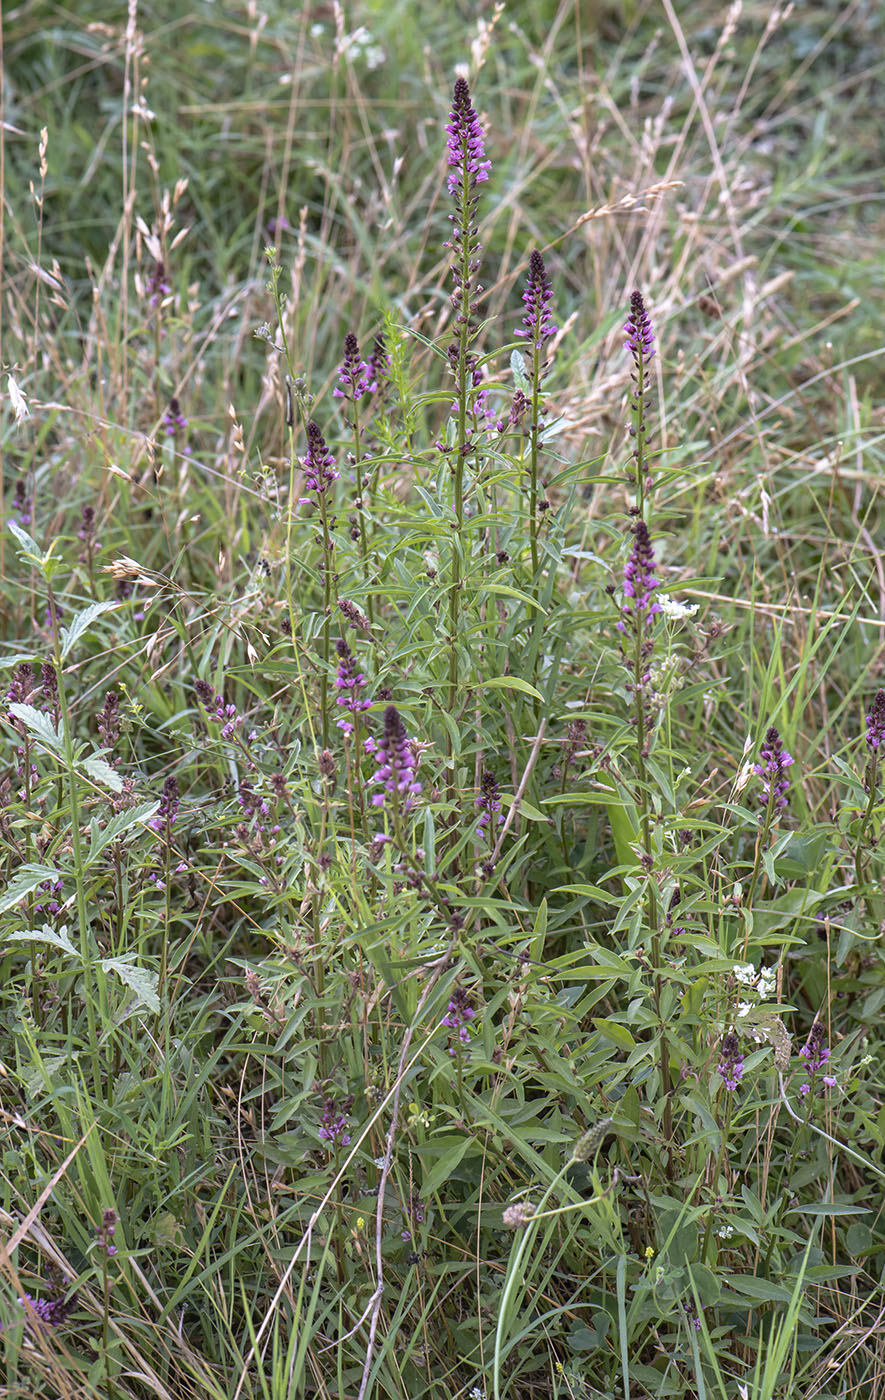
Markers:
{"x": 360, "y": 1222}
{"x": 649, "y": 1252}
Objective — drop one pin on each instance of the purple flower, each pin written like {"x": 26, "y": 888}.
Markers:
{"x": 731, "y": 1065}
{"x": 459, "y": 1013}
{"x": 396, "y": 763}
{"x": 377, "y": 366}
{"x": 638, "y": 332}
{"x": 466, "y": 144}
{"x": 174, "y": 421}
{"x": 537, "y": 324}
{"x": 489, "y": 799}
{"x": 333, "y": 1128}
{"x": 213, "y": 704}
{"x": 158, "y": 286}
{"x": 772, "y": 769}
{"x": 53, "y": 1310}
{"x": 109, "y": 719}
{"x": 518, "y": 406}
{"x": 640, "y": 582}
{"x": 319, "y": 464}
{"x": 20, "y": 503}
{"x": 350, "y": 684}
{"x": 815, "y": 1052}
{"x": 165, "y": 818}
{"x": 86, "y": 532}
{"x": 876, "y": 722}
{"x": 105, "y": 1232}
{"x": 352, "y": 372}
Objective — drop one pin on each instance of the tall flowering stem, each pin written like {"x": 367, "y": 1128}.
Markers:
{"x": 319, "y": 474}
{"x": 640, "y": 341}
{"x": 536, "y": 329}
{"x": 355, "y": 380}
{"x": 875, "y": 740}
{"x": 772, "y": 770}
{"x": 468, "y": 168}
{"x": 638, "y": 607}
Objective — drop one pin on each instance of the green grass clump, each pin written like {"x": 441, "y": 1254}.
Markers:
{"x": 441, "y": 933}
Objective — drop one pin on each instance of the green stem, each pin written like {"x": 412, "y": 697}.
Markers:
{"x": 76, "y": 841}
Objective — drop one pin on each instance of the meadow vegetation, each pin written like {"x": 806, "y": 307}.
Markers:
{"x": 441, "y": 928}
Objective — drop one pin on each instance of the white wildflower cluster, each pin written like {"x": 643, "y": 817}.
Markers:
{"x": 676, "y": 611}
{"x": 760, "y": 985}
{"x": 725, "y": 1232}
{"x": 763, "y": 982}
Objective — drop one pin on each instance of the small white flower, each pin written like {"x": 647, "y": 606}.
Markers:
{"x": 672, "y": 608}
{"x": 767, "y": 982}
{"x": 725, "y": 1232}
{"x": 744, "y": 1008}
{"x": 477, "y": 1393}
{"x": 745, "y": 973}
{"x": 17, "y": 399}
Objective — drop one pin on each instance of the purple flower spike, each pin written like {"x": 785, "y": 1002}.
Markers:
{"x": 165, "y": 818}
{"x": 396, "y": 763}
{"x": 466, "y": 144}
{"x": 731, "y": 1066}
{"x": 537, "y": 324}
{"x": 319, "y": 464}
{"x": 772, "y": 769}
{"x": 814, "y": 1052}
{"x": 640, "y": 581}
{"x": 459, "y": 1013}
{"x": 174, "y": 420}
{"x": 377, "y": 366}
{"x": 876, "y": 723}
{"x": 333, "y": 1128}
{"x": 638, "y": 332}
{"x": 489, "y": 799}
{"x": 353, "y": 372}
{"x": 350, "y": 683}
{"x": 105, "y": 1232}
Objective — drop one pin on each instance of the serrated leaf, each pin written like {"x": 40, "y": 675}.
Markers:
{"x": 119, "y": 825}
{"x": 40, "y": 724}
{"x": 28, "y": 878}
{"x": 58, "y": 938}
{"x": 101, "y": 772}
{"x": 81, "y": 623}
{"x": 138, "y": 979}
